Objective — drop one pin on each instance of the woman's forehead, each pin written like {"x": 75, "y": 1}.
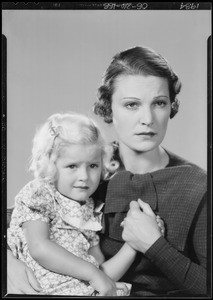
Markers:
{"x": 133, "y": 82}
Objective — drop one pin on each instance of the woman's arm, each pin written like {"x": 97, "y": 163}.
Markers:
{"x": 56, "y": 258}
{"x": 187, "y": 275}
{"x": 20, "y": 278}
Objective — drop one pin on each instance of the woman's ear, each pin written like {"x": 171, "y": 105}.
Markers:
{"x": 174, "y": 108}
{"x": 108, "y": 118}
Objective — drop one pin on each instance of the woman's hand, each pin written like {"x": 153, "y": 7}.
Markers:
{"x": 20, "y": 278}
{"x": 141, "y": 228}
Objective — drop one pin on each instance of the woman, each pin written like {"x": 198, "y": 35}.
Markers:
{"x": 138, "y": 95}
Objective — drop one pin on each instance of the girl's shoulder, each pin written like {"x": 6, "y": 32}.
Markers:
{"x": 35, "y": 193}
{"x": 37, "y": 186}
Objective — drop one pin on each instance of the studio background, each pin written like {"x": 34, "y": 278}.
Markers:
{"x": 56, "y": 58}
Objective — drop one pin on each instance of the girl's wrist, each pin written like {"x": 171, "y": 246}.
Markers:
{"x": 151, "y": 244}
{"x": 129, "y": 248}
{"x": 92, "y": 272}
{"x": 94, "y": 275}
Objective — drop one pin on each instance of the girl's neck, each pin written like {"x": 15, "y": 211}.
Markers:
{"x": 143, "y": 162}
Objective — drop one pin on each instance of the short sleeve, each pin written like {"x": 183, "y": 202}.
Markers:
{"x": 34, "y": 202}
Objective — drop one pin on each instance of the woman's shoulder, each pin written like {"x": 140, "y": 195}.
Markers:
{"x": 176, "y": 160}
{"x": 186, "y": 174}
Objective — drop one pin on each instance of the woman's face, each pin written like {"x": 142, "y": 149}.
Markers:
{"x": 141, "y": 109}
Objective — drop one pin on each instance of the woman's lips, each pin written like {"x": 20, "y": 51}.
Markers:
{"x": 146, "y": 133}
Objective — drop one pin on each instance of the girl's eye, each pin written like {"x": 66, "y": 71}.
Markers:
{"x": 93, "y": 166}
{"x": 72, "y": 166}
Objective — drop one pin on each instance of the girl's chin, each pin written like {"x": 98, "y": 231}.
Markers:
{"x": 79, "y": 200}
{"x": 76, "y": 198}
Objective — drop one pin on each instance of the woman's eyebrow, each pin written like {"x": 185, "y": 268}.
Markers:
{"x": 139, "y": 99}
{"x": 132, "y": 98}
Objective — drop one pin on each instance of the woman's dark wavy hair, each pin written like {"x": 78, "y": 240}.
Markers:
{"x": 135, "y": 61}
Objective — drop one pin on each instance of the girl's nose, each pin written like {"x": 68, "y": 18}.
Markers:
{"x": 83, "y": 174}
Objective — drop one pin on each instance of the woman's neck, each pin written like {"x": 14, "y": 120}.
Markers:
{"x": 143, "y": 162}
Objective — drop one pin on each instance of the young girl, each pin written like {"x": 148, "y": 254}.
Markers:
{"x": 55, "y": 221}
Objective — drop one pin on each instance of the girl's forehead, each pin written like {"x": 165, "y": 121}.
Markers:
{"x": 77, "y": 151}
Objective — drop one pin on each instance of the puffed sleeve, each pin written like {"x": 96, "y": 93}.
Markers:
{"x": 34, "y": 202}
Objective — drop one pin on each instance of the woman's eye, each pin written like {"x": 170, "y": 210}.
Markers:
{"x": 132, "y": 105}
{"x": 161, "y": 103}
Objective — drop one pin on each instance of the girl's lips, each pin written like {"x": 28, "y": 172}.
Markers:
{"x": 82, "y": 187}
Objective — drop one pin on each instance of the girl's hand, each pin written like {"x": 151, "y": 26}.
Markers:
{"x": 160, "y": 223}
{"x": 20, "y": 278}
{"x": 141, "y": 229}
{"x": 103, "y": 284}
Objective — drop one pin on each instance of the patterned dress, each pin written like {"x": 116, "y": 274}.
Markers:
{"x": 72, "y": 225}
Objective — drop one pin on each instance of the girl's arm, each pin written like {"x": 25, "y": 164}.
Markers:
{"x": 97, "y": 253}
{"x": 55, "y": 258}
{"x": 117, "y": 266}
{"x": 52, "y": 256}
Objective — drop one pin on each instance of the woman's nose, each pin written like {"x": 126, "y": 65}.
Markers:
{"x": 146, "y": 116}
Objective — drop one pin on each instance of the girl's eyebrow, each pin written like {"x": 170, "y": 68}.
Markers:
{"x": 161, "y": 96}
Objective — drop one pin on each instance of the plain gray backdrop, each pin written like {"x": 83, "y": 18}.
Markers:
{"x": 56, "y": 58}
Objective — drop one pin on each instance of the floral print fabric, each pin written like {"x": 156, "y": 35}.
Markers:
{"x": 71, "y": 225}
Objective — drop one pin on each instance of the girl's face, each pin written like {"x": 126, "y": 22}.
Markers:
{"x": 141, "y": 110}
{"x": 79, "y": 171}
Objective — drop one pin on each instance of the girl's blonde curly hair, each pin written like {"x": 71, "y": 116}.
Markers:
{"x": 59, "y": 131}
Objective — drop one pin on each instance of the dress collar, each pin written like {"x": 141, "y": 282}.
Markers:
{"x": 78, "y": 215}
